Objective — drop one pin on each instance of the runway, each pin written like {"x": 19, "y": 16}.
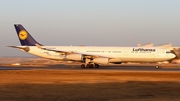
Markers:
{"x": 58, "y": 81}
{"x": 52, "y": 80}
{"x": 46, "y": 64}
{"x": 102, "y": 68}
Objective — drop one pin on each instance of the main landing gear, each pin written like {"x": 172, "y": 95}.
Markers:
{"x": 90, "y": 65}
{"x": 157, "y": 65}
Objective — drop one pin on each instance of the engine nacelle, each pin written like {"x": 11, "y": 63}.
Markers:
{"x": 101, "y": 60}
{"x": 74, "y": 57}
{"x": 115, "y": 61}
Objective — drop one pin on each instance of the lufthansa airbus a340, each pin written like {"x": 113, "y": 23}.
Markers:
{"x": 91, "y": 56}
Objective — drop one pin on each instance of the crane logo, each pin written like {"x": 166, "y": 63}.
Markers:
{"x": 23, "y": 35}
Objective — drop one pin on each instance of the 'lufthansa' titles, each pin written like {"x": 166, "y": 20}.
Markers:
{"x": 144, "y": 49}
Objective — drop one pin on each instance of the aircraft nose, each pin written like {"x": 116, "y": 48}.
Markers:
{"x": 172, "y": 55}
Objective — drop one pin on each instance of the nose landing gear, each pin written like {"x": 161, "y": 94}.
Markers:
{"x": 157, "y": 66}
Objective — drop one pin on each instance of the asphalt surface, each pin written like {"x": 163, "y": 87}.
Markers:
{"x": 108, "y": 67}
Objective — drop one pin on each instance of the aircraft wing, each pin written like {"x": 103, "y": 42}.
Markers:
{"x": 54, "y": 50}
{"x": 87, "y": 55}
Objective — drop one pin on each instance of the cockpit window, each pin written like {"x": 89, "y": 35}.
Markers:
{"x": 168, "y": 52}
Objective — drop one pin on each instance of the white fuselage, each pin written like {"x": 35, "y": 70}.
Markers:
{"x": 116, "y": 54}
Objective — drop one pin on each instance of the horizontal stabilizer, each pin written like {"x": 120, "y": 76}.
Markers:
{"x": 25, "y": 48}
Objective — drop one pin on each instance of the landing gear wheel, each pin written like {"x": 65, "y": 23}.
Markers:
{"x": 88, "y": 66}
{"x": 96, "y": 66}
{"x": 157, "y": 67}
{"x": 91, "y": 65}
{"x": 83, "y": 66}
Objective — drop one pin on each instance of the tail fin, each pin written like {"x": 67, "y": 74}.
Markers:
{"x": 24, "y": 37}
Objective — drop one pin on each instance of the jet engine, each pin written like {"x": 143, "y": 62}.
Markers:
{"x": 101, "y": 60}
{"x": 74, "y": 57}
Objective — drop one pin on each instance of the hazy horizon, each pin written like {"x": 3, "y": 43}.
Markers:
{"x": 90, "y": 22}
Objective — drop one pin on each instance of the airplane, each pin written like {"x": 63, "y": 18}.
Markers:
{"x": 91, "y": 56}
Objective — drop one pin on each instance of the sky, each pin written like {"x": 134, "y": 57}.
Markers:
{"x": 90, "y": 22}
